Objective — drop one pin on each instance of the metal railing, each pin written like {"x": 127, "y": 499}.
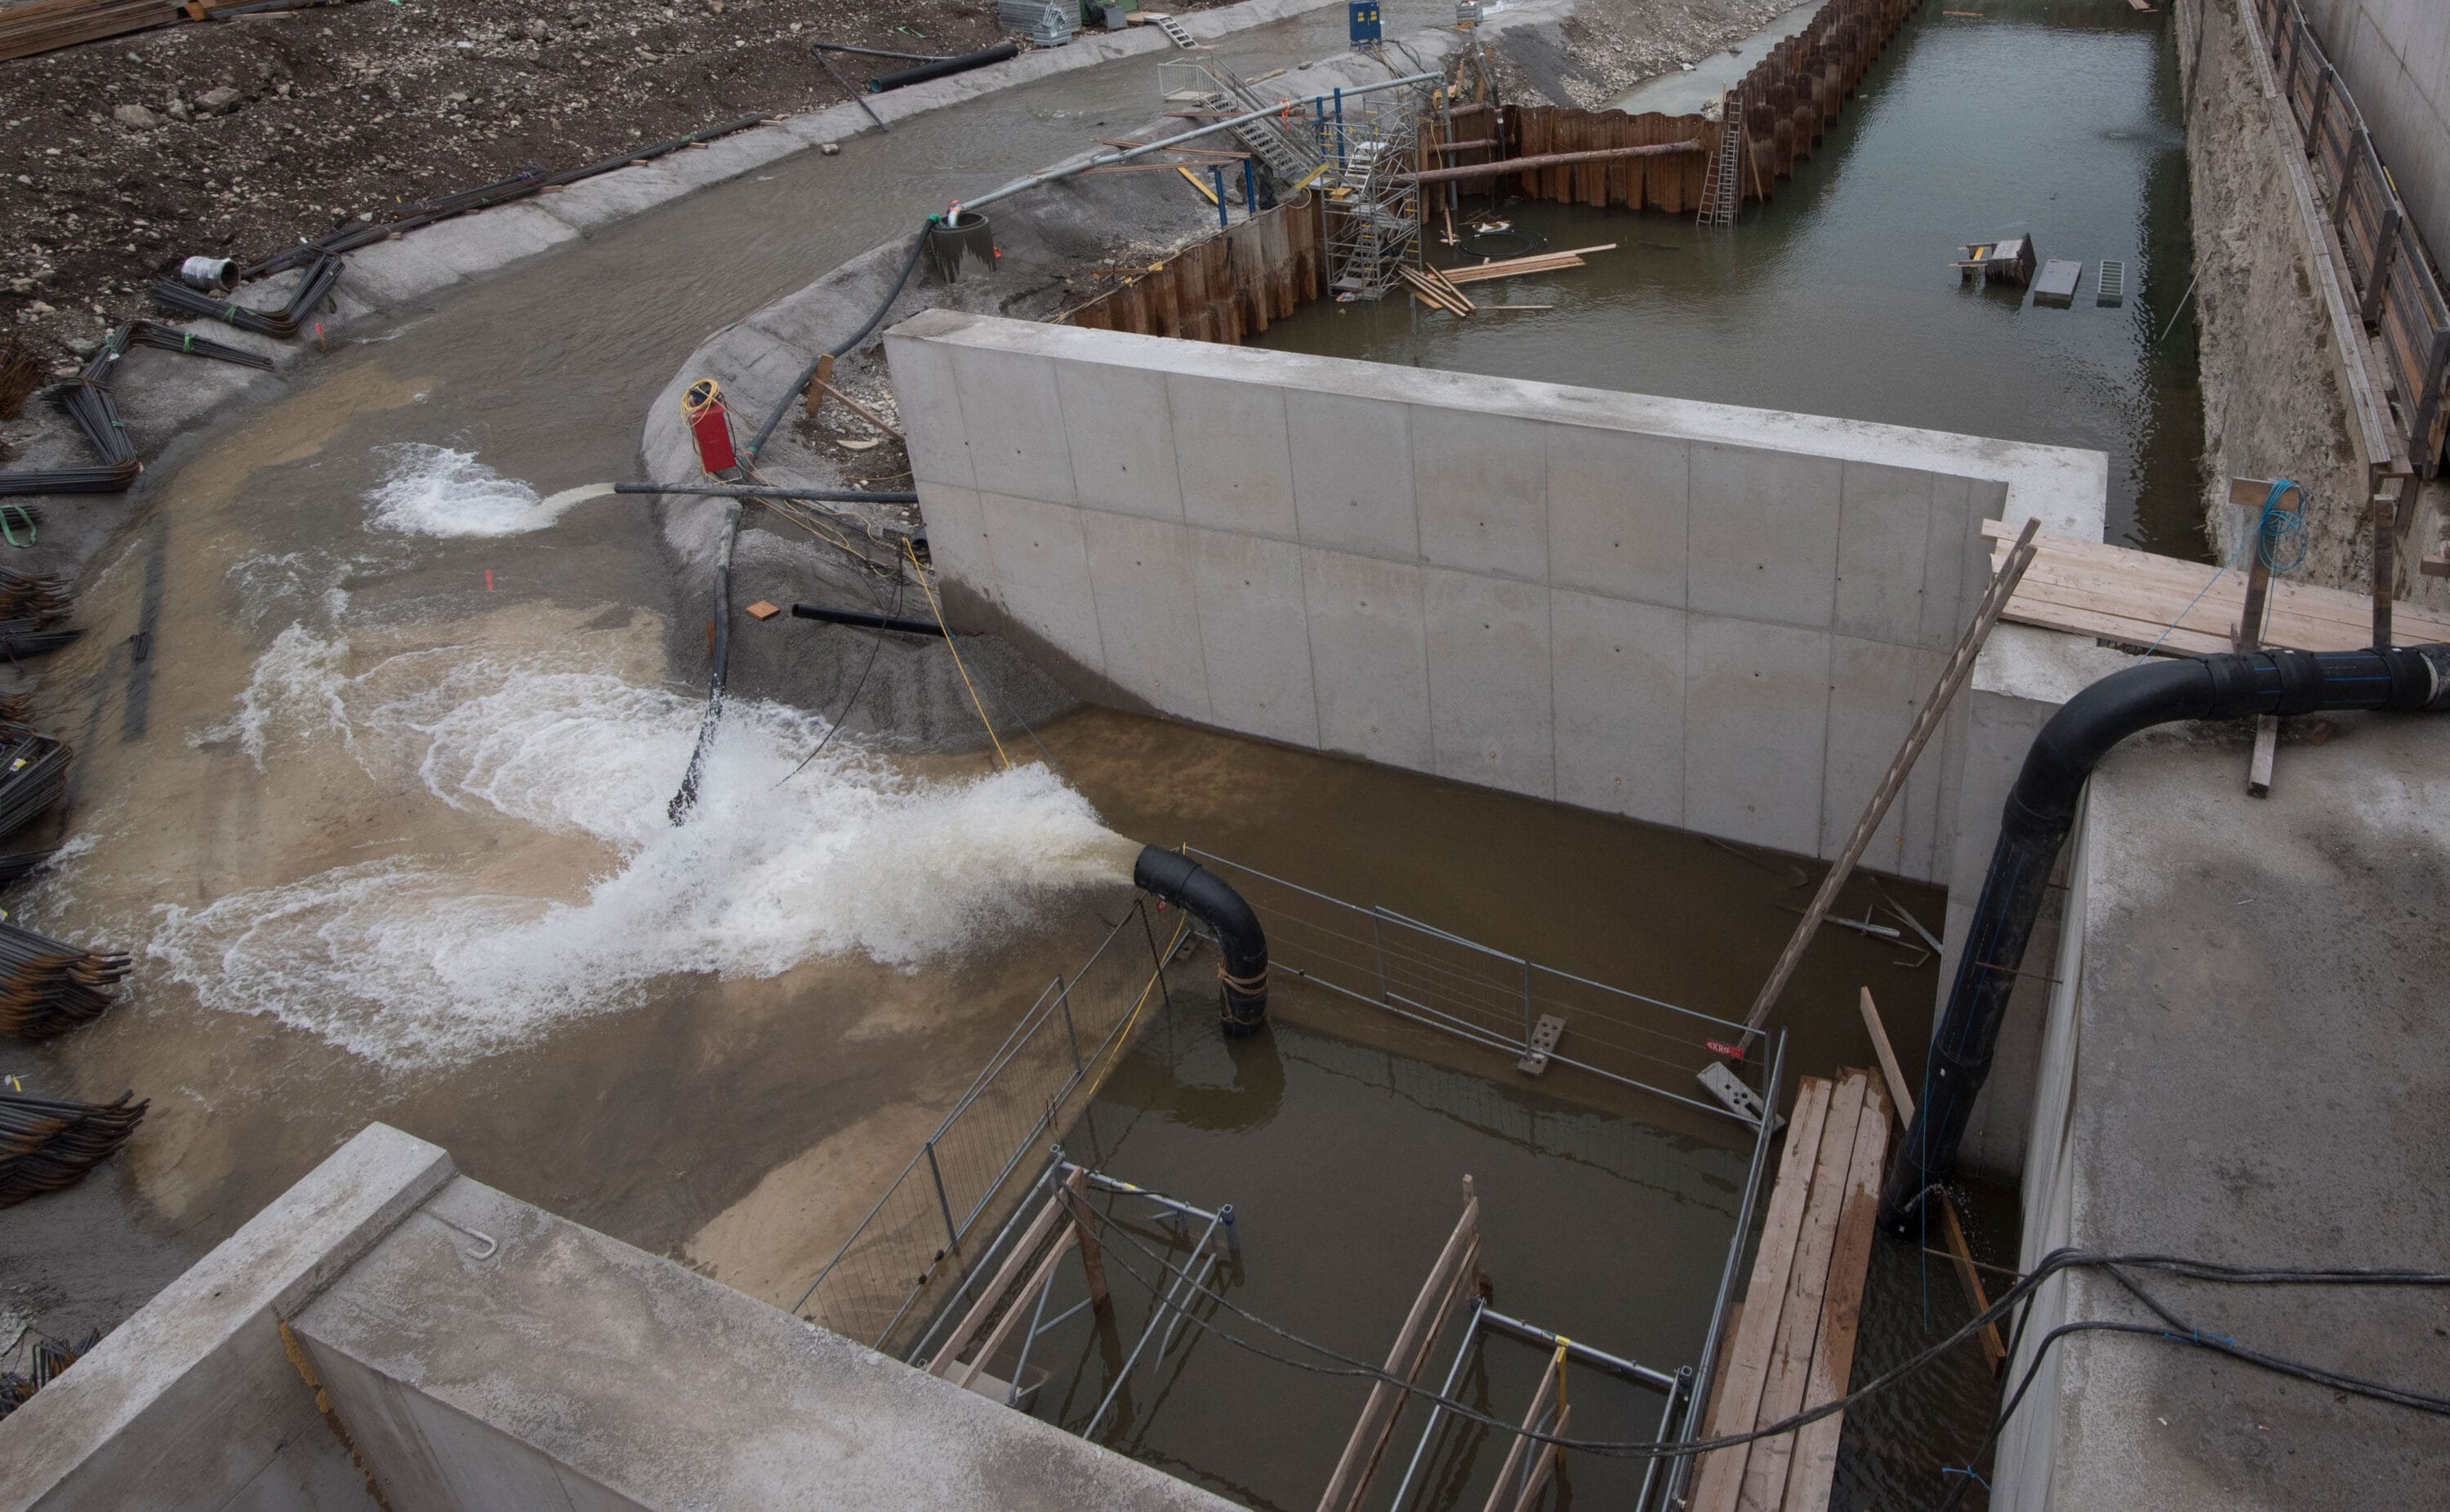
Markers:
{"x": 2399, "y": 296}
{"x": 1420, "y": 972}
{"x": 920, "y": 1234}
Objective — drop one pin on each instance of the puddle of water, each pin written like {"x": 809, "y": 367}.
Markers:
{"x": 1836, "y": 298}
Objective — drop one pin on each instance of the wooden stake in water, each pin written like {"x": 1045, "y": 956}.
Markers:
{"x": 1951, "y": 677}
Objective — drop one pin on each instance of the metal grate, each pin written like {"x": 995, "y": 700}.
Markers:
{"x": 2112, "y": 287}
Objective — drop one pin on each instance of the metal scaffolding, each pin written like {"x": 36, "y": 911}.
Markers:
{"x": 1373, "y": 205}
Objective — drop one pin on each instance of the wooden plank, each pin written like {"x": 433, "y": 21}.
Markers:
{"x": 1738, "y": 1391}
{"x": 1499, "y": 1497}
{"x": 1899, "y": 1097}
{"x": 1005, "y": 1275}
{"x": 1038, "y": 1281}
{"x": 1952, "y": 1233}
{"x": 1814, "y": 1467}
{"x": 1436, "y": 1299}
{"x": 1807, "y": 1283}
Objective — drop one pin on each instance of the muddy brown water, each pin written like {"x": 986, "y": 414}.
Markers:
{"x": 2045, "y": 118}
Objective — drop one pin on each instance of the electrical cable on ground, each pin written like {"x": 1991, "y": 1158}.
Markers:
{"x": 2176, "y": 1332}
{"x": 808, "y": 375}
{"x": 938, "y": 610}
{"x": 876, "y": 647}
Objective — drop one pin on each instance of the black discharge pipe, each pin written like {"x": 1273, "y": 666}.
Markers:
{"x": 1242, "y": 976}
{"x": 866, "y": 621}
{"x": 942, "y": 68}
{"x": 2040, "y": 811}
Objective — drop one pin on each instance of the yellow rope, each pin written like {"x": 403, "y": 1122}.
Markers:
{"x": 938, "y": 610}
{"x": 1123, "y": 1037}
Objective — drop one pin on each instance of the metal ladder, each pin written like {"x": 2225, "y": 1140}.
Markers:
{"x": 1291, "y": 160}
{"x": 1175, "y": 32}
{"x": 1722, "y": 181}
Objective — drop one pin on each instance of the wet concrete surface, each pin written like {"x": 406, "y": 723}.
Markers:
{"x": 2038, "y": 117}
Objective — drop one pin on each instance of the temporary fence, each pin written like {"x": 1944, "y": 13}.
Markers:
{"x": 2399, "y": 295}
{"x": 921, "y": 1236}
{"x": 1489, "y": 997}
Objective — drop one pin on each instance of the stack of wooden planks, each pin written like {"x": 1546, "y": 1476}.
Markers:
{"x": 1512, "y": 267}
{"x": 1431, "y": 288}
{"x": 2089, "y": 588}
{"x": 41, "y": 26}
{"x": 1794, "y": 1344}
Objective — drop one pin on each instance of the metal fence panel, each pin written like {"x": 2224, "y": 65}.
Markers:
{"x": 921, "y": 1236}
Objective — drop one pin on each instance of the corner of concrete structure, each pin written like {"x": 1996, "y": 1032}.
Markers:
{"x": 189, "y": 1401}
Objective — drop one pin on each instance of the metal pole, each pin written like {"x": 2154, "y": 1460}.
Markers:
{"x": 1250, "y": 188}
{"x": 1576, "y": 1348}
{"x": 1378, "y": 945}
{"x": 1462, "y": 1352}
{"x": 1233, "y": 1235}
{"x": 1683, "y": 1384}
{"x": 1526, "y": 1005}
{"x": 1063, "y": 1001}
{"x": 952, "y": 1236}
{"x": 1105, "y": 159}
{"x": 1217, "y": 173}
{"x": 1024, "y": 1208}
{"x": 1683, "y": 1471}
{"x": 1166, "y": 1304}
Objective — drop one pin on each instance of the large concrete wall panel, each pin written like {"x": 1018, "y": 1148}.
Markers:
{"x": 1352, "y": 474}
{"x": 1234, "y": 455}
{"x": 1627, "y": 603}
{"x": 1755, "y": 725}
{"x": 1147, "y": 624}
{"x": 1618, "y": 675}
{"x": 1481, "y": 489}
{"x": 2395, "y": 58}
{"x": 1618, "y": 513}
{"x": 1489, "y": 716}
{"x": 1369, "y": 658}
{"x": 1763, "y": 540}
{"x": 1254, "y": 633}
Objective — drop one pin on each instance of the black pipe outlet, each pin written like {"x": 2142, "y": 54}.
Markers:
{"x": 1243, "y": 979}
{"x": 2041, "y": 809}
{"x": 866, "y": 621}
{"x": 942, "y": 68}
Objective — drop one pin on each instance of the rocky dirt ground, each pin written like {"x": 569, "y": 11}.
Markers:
{"x": 1610, "y": 46}
{"x": 240, "y": 136}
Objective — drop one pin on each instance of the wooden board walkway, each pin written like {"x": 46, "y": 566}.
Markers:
{"x": 1794, "y": 1344}
{"x": 2089, "y": 588}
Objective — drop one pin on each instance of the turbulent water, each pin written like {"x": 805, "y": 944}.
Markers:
{"x": 429, "y": 958}
{"x": 439, "y": 491}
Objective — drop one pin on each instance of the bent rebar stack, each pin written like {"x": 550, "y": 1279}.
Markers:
{"x": 46, "y": 1146}
{"x": 48, "y": 986}
{"x": 33, "y": 776}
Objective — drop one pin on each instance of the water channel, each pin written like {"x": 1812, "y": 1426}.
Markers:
{"x": 2042, "y": 118}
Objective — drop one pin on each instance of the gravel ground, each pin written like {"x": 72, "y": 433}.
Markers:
{"x": 1610, "y": 46}
{"x": 237, "y": 137}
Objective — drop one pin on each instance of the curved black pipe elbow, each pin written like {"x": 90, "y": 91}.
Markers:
{"x": 1242, "y": 977}
{"x": 2041, "y": 809}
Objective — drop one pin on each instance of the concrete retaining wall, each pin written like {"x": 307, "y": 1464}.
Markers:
{"x": 1692, "y": 615}
{"x": 2395, "y": 58}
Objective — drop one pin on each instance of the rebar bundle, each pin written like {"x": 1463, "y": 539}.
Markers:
{"x": 23, "y": 637}
{"x": 37, "y": 596}
{"x": 33, "y": 776}
{"x": 48, "y": 986}
{"x": 281, "y": 323}
{"x": 86, "y": 398}
{"x": 50, "y": 1358}
{"x": 46, "y": 1146}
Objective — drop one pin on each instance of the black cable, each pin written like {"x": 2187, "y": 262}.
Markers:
{"x": 2057, "y": 1260}
{"x": 807, "y": 376}
{"x": 876, "y": 647}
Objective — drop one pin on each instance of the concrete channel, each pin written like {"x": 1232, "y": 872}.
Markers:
{"x": 502, "y": 1125}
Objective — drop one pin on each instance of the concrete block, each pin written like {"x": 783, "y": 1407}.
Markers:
{"x": 1254, "y": 630}
{"x": 1875, "y": 689}
{"x": 1948, "y": 594}
{"x": 1015, "y": 422}
{"x": 1883, "y": 536}
{"x": 1234, "y": 456}
{"x": 1618, "y": 675}
{"x": 697, "y": 167}
{"x": 1480, "y": 487}
{"x": 1764, "y": 539}
{"x": 592, "y": 203}
{"x": 187, "y": 1402}
{"x": 1120, "y": 433}
{"x": 1352, "y": 475}
{"x": 1148, "y": 619}
{"x": 835, "y": 123}
{"x": 1368, "y": 658}
{"x": 390, "y": 274}
{"x": 956, "y": 538}
{"x": 471, "y": 244}
{"x": 1042, "y": 569}
{"x": 1755, "y": 726}
{"x": 1487, "y": 645}
{"x": 927, "y": 394}
{"x": 1617, "y": 513}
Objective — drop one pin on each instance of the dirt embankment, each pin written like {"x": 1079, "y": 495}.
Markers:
{"x": 1610, "y": 46}
{"x": 239, "y": 137}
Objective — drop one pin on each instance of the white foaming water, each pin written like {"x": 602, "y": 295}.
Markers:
{"x": 438, "y": 491}
{"x": 416, "y": 961}
{"x": 297, "y": 681}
